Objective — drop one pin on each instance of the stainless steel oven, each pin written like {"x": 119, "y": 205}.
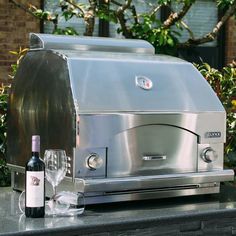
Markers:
{"x": 135, "y": 125}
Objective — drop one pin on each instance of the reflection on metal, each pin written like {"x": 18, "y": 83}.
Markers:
{"x": 144, "y": 144}
{"x": 48, "y": 41}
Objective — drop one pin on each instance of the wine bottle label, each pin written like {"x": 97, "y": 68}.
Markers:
{"x": 34, "y": 188}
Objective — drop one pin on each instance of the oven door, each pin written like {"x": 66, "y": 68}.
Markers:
{"x": 152, "y": 150}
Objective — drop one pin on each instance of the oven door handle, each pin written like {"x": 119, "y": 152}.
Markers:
{"x": 154, "y": 157}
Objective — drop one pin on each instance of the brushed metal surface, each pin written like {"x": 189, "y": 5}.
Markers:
{"x": 126, "y": 151}
{"x": 136, "y": 188}
{"x": 101, "y": 197}
{"x": 156, "y": 181}
{"x": 142, "y": 195}
{"x": 87, "y": 102}
{"x": 97, "y": 129}
{"x": 107, "y": 83}
{"x": 40, "y": 103}
{"x": 81, "y": 164}
{"x": 217, "y": 164}
{"x": 49, "y": 41}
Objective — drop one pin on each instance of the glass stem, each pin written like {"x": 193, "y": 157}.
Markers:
{"x": 54, "y": 191}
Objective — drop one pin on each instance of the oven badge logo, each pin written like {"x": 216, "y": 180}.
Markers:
{"x": 143, "y": 82}
{"x": 213, "y": 134}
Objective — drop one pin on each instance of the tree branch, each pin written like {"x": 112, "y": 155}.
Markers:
{"x": 188, "y": 29}
{"x": 134, "y": 13}
{"x": 125, "y": 6}
{"x": 23, "y": 7}
{"x": 76, "y": 6}
{"x": 116, "y": 3}
{"x": 121, "y": 18}
{"x": 88, "y": 15}
{"x": 89, "y": 18}
{"x": 174, "y": 16}
{"x": 155, "y": 10}
{"x": 212, "y": 35}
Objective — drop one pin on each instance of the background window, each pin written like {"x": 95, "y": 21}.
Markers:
{"x": 76, "y": 23}
{"x": 201, "y": 19}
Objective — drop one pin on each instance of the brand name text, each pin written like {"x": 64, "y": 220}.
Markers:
{"x": 214, "y": 134}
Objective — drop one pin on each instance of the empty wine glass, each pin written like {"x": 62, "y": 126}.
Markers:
{"x": 64, "y": 204}
{"x": 55, "y": 167}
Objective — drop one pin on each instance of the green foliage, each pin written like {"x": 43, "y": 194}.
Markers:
{"x": 224, "y": 3}
{"x": 4, "y": 89}
{"x": 69, "y": 10}
{"x": 224, "y": 84}
{"x": 44, "y": 15}
{"x": 4, "y": 171}
{"x": 47, "y": 16}
{"x": 65, "y": 31}
{"x": 107, "y": 14}
{"x": 150, "y": 29}
{"x": 5, "y": 179}
{"x": 164, "y": 2}
{"x": 164, "y": 35}
{"x": 3, "y": 125}
{"x": 19, "y": 55}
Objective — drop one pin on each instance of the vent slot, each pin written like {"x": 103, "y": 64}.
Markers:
{"x": 153, "y": 189}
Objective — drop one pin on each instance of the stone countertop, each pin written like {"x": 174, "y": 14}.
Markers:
{"x": 174, "y": 216}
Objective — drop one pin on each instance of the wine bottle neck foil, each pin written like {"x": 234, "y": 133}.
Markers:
{"x": 35, "y": 143}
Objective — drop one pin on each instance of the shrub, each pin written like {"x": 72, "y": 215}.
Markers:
{"x": 4, "y": 89}
{"x": 224, "y": 84}
{"x": 4, "y": 171}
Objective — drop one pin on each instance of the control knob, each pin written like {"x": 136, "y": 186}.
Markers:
{"x": 209, "y": 155}
{"x": 94, "y": 161}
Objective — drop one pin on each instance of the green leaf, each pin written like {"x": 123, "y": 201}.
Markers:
{"x": 170, "y": 41}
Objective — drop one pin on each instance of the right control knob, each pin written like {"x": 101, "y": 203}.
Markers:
{"x": 94, "y": 161}
{"x": 209, "y": 155}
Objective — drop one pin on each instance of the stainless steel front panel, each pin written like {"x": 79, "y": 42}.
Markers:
{"x": 152, "y": 150}
{"x": 217, "y": 164}
{"x": 97, "y": 129}
{"x": 100, "y": 190}
{"x": 110, "y": 185}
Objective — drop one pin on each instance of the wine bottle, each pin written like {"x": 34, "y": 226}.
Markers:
{"x": 35, "y": 182}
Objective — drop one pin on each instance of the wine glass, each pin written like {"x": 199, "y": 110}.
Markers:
{"x": 55, "y": 167}
{"x": 64, "y": 204}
